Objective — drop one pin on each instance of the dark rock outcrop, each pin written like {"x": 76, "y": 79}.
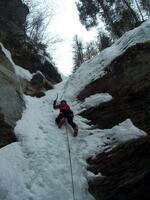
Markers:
{"x": 24, "y": 53}
{"x": 12, "y": 22}
{"x": 13, "y": 35}
{"x": 11, "y": 100}
{"x": 11, "y": 95}
{"x": 38, "y": 85}
{"x": 127, "y": 80}
{"x": 125, "y": 170}
{"x": 7, "y": 134}
{"x": 27, "y": 56}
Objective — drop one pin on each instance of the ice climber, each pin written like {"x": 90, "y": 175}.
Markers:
{"x": 65, "y": 113}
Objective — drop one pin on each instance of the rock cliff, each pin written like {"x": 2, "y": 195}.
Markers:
{"x": 24, "y": 53}
{"x": 13, "y": 36}
{"x": 11, "y": 100}
{"x": 122, "y": 71}
{"x": 125, "y": 172}
{"x": 12, "y": 22}
{"x": 127, "y": 80}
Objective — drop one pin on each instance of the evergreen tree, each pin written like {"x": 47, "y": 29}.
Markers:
{"x": 90, "y": 10}
{"x": 118, "y": 15}
{"x": 78, "y": 53}
{"x": 90, "y": 50}
{"x": 131, "y": 11}
{"x": 103, "y": 41}
{"x": 146, "y": 6}
{"x": 83, "y": 52}
{"x": 140, "y": 9}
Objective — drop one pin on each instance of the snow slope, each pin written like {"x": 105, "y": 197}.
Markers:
{"x": 38, "y": 167}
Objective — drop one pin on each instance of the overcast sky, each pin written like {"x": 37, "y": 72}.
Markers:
{"x": 66, "y": 24}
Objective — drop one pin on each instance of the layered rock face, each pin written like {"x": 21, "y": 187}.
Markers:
{"x": 7, "y": 134}
{"x": 24, "y": 53}
{"x": 38, "y": 85}
{"x": 27, "y": 56}
{"x": 127, "y": 80}
{"x": 11, "y": 100}
{"x": 13, "y": 36}
{"x": 125, "y": 172}
{"x": 125, "y": 169}
{"x": 12, "y": 22}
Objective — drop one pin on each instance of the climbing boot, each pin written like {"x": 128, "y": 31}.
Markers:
{"x": 75, "y": 131}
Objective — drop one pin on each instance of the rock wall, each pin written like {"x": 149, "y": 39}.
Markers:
{"x": 27, "y": 55}
{"x": 24, "y": 53}
{"x": 11, "y": 100}
{"x": 38, "y": 85}
{"x": 12, "y": 22}
{"x": 127, "y": 80}
{"x": 125, "y": 172}
{"x": 125, "y": 169}
{"x": 13, "y": 36}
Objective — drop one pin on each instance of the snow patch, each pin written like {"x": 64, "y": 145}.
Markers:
{"x": 93, "y": 69}
{"x": 21, "y": 72}
{"x": 99, "y": 140}
{"x": 93, "y": 101}
{"x": 92, "y": 176}
{"x": 38, "y": 166}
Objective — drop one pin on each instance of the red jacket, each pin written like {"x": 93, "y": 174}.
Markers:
{"x": 62, "y": 106}
{"x": 64, "y": 109}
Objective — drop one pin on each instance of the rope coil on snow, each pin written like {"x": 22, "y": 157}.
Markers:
{"x": 71, "y": 169}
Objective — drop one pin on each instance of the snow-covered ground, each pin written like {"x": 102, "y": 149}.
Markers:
{"x": 38, "y": 167}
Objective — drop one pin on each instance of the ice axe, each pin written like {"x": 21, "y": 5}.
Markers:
{"x": 56, "y": 97}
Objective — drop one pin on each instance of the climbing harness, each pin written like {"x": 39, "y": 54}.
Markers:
{"x": 70, "y": 160}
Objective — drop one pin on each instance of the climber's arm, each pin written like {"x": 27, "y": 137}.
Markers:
{"x": 55, "y": 105}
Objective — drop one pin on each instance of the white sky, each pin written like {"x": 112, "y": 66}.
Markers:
{"x": 66, "y": 24}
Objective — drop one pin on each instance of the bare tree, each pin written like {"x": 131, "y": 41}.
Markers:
{"x": 38, "y": 21}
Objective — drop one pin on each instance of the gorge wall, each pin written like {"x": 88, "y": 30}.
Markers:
{"x": 125, "y": 172}
{"x": 123, "y": 71}
{"x": 14, "y": 37}
{"x": 24, "y": 53}
{"x": 11, "y": 100}
{"x": 125, "y": 169}
{"x": 127, "y": 80}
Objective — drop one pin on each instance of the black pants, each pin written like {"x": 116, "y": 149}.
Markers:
{"x": 69, "y": 119}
